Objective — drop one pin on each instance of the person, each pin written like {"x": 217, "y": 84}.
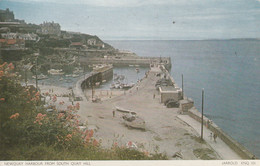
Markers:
{"x": 215, "y": 137}
{"x": 114, "y": 113}
{"x": 211, "y": 136}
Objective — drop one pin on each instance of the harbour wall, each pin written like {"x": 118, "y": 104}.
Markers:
{"x": 195, "y": 114}
{"x": 128, "y": 61}
{"x": 233, "y": 144}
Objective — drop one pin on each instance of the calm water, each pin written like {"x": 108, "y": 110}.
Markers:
{"x": 229, "y": 71}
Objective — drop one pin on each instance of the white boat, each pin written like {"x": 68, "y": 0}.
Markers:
{"x": 75, "y": 75}
{"x": 55, "y": 72}
{"x": 127, "y": 86}
{"x": 131, "y": 65}
{"x": 40, "y": 77}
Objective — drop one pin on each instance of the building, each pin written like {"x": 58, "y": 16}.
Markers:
{"x": 24, "y": 36}
{"x": 92, "y": 42}
{"x": 77, "y": 45}
{"x": 12, "y": 43}
{"x": 170, "y": 92}
{"x": 6, "y": 15}
{"x": 50, "y": 28}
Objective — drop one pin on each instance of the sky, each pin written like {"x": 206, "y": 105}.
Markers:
{"x": 146, "y": 19}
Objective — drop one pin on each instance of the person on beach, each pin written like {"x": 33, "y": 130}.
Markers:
{"x": 215, "y": 137}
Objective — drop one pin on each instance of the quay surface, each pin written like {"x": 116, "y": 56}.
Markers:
{"x": 166, "y": 130}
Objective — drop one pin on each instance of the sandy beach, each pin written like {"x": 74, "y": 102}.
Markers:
{"x": 165, "y": 132}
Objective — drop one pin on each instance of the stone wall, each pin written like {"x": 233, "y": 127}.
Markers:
{"x": 233, "y": 144}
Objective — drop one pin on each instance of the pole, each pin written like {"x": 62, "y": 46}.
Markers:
{"x": 182, "y": 86}
{"x": 202, "y": 114}
{"x": 92, "y": 87}
{"x": 36, "y": 76}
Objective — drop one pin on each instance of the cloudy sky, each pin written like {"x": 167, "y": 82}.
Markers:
{"x": 146, "y": 19}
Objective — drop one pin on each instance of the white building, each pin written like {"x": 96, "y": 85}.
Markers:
{"x": 49, "y": 28}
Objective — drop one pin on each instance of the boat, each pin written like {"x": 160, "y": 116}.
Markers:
{"x": 69, "y": 80}
{"x": 131, "y": 65}
{"x": 77, "y": 71}
{"x": 137, "y": 70}
{"x": 121, "y": 77}
{"x": 97, "y": 83}
{"x": 112, "y": 86}
{"x": 40, "y": 77}
{"x": 103, "y": 81}
{"x": 127, "y": 86}
{"x": 75, "y": 75}
{"x": 55, "y": 72}
{"x": 137, "y": 65}
{"x": 61, "y": 79}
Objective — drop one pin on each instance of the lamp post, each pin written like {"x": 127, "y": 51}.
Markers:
{"x": 182, "y": 86}
{"x": 202, "y": 114}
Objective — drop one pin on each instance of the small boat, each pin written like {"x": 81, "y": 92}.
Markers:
{"x": 40, "y": 77}
{"x": 69, "y": 80}
{"x": 97, "y": 83}
{"x": 77, "y": 71}
{"x": 131, "y": 65}
{"x": 61, "y": 79}
{"x": 112, "y": 86}
{"x": 55, "y": 72}
{"x": 127, "y": 86}
{"x": 116, "y": 78}
{"x": 75, "y": 75}
{"x": 121, "y": 77}
{"x": 117, "y": 86}
{"x": 103, "y": 81}
{"x": 137, "y": 65}
{"x": 137, "y": 70}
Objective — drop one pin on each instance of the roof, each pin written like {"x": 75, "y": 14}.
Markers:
{"x": 76, "y": 44}
{"x": 169, "y": 88}
{"x": 9, "y": 41}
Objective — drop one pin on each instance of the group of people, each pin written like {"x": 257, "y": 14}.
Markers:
{"x": 214, "y": 136}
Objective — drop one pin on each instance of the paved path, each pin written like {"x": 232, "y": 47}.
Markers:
{"x": 223, "y": 150}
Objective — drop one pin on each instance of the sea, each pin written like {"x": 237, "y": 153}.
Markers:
{"x": 227, "y": 70}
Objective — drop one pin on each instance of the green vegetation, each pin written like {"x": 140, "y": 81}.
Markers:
{"x": 28, "y": 132}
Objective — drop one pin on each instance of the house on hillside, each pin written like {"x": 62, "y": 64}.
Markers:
{"x": 92, "y": 42}
{"x": 12, "y": 43}
{"x": 77, "y": 45}
{"x": 24, "y": 36}
{"x": 50, "y": 28}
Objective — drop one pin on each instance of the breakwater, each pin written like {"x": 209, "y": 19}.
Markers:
{"x": 127, "y": 61}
